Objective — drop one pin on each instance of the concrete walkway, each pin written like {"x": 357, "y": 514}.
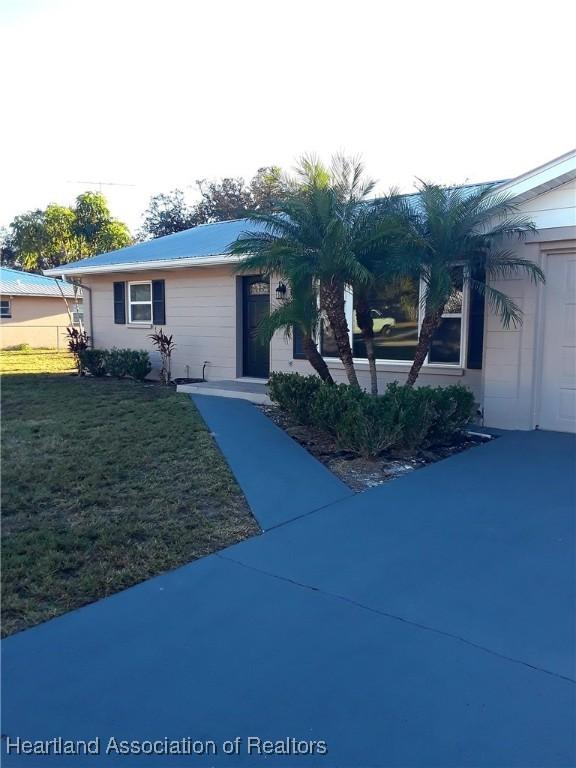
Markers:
{"x": 279, "y": 478}
{"x": 428, "y": 622}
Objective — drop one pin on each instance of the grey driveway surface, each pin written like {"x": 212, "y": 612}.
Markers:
{"x": 428, "y": 622}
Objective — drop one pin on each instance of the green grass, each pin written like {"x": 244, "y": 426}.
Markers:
{"x": 36, "y": 361}
{"x": 104, "y": 483}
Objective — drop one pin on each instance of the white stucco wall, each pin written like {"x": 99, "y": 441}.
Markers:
{"x": 200, "y": 313}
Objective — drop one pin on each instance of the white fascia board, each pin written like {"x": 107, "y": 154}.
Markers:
{"x": 142, "y": 266}
{"x": 560, "y": 169}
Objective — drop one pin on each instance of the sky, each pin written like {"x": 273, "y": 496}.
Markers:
{"x": 154, "y": 95}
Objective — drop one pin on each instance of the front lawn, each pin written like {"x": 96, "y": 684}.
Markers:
{"x": 104, "y": 483}
{"x": 36, "y": 361}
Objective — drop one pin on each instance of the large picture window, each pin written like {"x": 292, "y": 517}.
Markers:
{"x": 396, "y": 315}
{"x": 395, "y": 321}
{"x": 140, "y": 302}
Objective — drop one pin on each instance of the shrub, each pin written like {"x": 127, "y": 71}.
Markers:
{"x": 402, "y": 418}
{"x": 415, "y": 413}
{"x": 93, "y": 361}
{"x": 117, "y": 362}
{"x": 19, "y": 348}
{"x": 294, "y": 393}
{"x": 138, "y": 364}
{"x": 368, "y": 426}
{"x": 455, "y": 407}
{"x": 328, "y": 405}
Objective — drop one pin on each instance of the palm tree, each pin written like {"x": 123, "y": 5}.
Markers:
{"x": 309, "y": 242}
{"x": 451, "y": 233}
{"x": 378, "y": 233}
{"x": 272, "y": 256}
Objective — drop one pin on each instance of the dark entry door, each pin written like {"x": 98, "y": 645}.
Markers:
{"x": 256, "y": 292}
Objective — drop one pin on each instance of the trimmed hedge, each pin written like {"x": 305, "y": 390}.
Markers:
{"x": 400, "y": 419}
{"x": 134, "y": 363}
{"x": 93, "y": 361}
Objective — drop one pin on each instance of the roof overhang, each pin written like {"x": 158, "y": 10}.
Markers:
{"x": 142, "y": 266}
{"x": 542, "y": 179}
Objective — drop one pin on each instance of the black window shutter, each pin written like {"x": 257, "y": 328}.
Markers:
{"x": 120, "y": 303}
{"x": 297, "y": 348}
{"x": 476, "y": 324}
{"x": 158, "y": 302}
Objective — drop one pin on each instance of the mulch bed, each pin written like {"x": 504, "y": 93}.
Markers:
{"x": 361, "y": 474}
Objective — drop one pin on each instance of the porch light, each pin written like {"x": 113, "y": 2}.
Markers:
{"x": 280, "y": 291}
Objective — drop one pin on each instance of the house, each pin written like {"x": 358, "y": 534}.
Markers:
{"x": 523, "y": 377}
{"x": 35, "y": 309}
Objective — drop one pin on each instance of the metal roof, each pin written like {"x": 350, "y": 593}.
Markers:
{"x": 199, "y": 242}
{"x": 14, "y": 282}
{"x": 207, "y": 243}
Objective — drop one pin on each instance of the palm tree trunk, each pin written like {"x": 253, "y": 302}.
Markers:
{"x": 366, "y": 325}
{"x": 315, "y": 358}
{"x": 332, "y": 302}
{"x": 430, "y": 323}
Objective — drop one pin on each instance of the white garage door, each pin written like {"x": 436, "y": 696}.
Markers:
{"x": 558, "y": 392}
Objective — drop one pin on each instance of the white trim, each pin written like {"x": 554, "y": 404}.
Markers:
{"x": 140, "y": 266}
{"x": 463, "y": 316}
{"x": 537, "y": 180}
{"x": 139, "y": 303}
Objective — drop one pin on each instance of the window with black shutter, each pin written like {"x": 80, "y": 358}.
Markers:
{"x": 158, "y": 302}
{"x": 120, "y": 303}
{"x": 476, "y": 324}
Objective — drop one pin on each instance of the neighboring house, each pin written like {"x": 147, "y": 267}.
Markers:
{"x": 523, "y": 377}
{"x": 33, "y": 309}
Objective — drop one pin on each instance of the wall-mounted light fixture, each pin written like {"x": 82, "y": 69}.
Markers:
{"x": 280, "y": 291}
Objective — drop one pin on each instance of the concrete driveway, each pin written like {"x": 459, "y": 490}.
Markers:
{"x": 427, "y": 622}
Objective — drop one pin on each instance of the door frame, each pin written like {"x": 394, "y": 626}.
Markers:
{"x": 245, "y": 282}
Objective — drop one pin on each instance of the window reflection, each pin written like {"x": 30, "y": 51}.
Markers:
{"x": 394, "y": 311}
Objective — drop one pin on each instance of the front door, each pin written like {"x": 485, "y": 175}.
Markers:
{"x": 256, "y": 306}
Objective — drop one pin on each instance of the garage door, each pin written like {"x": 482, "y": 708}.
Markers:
{"x": 558, "y": 388}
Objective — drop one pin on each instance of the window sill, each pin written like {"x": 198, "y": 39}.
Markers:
{"x": 385, "y": 367}
{"x": 139, "y": 325}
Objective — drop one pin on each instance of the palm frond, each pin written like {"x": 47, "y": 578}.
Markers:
{"x": 506, "y": 309}
{"x": 504, "y": 264}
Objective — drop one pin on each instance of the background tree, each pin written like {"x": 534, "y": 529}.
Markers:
{"x": 8, "y": 256}
{"x": 228, "y": 198}
{"x": 267, "y": 189}
{"x": 59, "y": 234}
{"x": 167, "y": 214}
{"x": 451, "y": 235}
{"x": 232, "y": 198}
{"x": 95, "y": 229}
